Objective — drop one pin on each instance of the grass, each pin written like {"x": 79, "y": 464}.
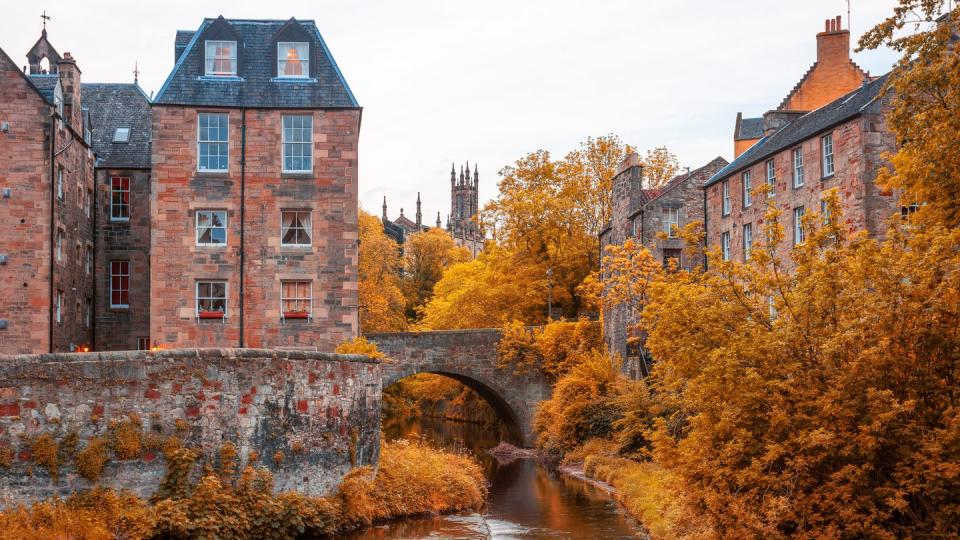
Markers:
{"x": 412, "y": 479}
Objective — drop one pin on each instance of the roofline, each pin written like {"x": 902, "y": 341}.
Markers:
{"x": 25, "y": 77}
{"x": 240, "y": 107}
{"x": 333, "y": 63}
{"x": 183, "y": 56}
{"x": 668, "y": 188}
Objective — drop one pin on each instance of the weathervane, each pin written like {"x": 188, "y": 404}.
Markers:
{"x": 45, "y": 18}
{"x": 136, "y": 72}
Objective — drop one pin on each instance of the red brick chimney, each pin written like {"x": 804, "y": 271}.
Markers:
{"x": 70, "y": 81}
{"x": 833, "y": 44}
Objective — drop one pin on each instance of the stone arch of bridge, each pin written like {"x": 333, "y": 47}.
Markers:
{"x": 506, "y": 412}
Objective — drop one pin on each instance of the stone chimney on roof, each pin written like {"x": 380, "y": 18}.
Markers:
{"x": 70, "y": 82}
{"x": 833, "y": 44}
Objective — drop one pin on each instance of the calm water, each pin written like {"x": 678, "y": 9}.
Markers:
{"x": 526, "y": 501}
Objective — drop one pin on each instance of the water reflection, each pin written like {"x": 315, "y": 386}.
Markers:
{"x": 527, "y": 501}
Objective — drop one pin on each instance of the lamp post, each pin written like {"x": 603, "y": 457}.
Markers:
{"x": 549, "y": 294}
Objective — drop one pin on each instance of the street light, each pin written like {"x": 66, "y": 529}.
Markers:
{"x": 549, "y": 294}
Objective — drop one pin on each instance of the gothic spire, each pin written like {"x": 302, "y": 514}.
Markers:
{"x": 384, "y": 207}
{"x": 453, "y": 173}
{"x": 438, "y": 220}
{"x": 468, "y": 169}
{"x": 476, "y": 174}
{"x": 461, "y": 174}
{"x": 419, "y": 215}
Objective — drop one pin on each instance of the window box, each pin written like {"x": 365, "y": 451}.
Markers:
{"x": 296, "y": 315}
{"x": 210, "y": 314}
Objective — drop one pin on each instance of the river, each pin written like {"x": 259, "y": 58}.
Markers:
{"x": 527, "y": 500}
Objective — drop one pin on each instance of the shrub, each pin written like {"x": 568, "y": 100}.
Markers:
{"x": 92, "y": 458}
{"x": 45, "y": 453}
{"x": 126, "y": 438}
{"x": 554, "y": 348}
{"x": 6, "y": 456}
{"x": 360, "y": 345}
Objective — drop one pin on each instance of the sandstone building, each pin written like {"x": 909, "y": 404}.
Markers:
{"x": 461, "y": 224}
{"x": 224, "y": 213}
{"x": 652, "y": 216}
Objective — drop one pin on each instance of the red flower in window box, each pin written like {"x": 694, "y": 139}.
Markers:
{"x": 211, "y": 314}
{"x": 296, "y": 315}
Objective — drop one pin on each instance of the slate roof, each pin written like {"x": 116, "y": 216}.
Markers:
{"x": 255, "y": 85}
{"x": 804, "y": 127}
{"x": 45, "y": 84}
{"x": 394, "y": 231}
{"x": 749, "y": 129}
{"x": 115, "y": 106}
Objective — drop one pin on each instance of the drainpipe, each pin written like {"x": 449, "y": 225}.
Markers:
{"x": 53, "y": 214}
{"x": 243, "y": 208}
{"x": 705, "y": 237}
{"x": 93, "y": 259}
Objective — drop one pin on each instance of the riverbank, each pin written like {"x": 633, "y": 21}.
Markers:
{"x": 637, "y": 487}
{"x": 412, "y": 479}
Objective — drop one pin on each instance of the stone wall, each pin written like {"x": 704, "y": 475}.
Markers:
{"x": 306, "y": 414}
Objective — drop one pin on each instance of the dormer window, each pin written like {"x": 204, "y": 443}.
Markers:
{"x": 221, "y": 58}
{"x": 121, "y": 135}
{"x": 293, "y": 59}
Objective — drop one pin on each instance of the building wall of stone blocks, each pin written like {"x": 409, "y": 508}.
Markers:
{"x": 118, "y": 328}
{"x": 35, "y": 217}
{"x": 858, "y": 145}
{"x": 330, "y": 263}
{"x": 316, "y": 409}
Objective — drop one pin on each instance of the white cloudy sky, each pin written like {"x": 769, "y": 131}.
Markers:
{"x": 490, "y": 80}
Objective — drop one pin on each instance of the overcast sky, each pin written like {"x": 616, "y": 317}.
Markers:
{"x": 491, "y": 80}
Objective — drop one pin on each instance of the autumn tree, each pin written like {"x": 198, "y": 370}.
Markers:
{"x": 426, "y": 255}
{"x": 381, "y": 299}
{"x": 659, "y": 166}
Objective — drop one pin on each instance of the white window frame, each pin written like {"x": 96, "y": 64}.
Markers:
{"x": 88, "y": 202}
{"x": 771, "y": 177}
{"x": 799, "y": 236}
{"x": 60, "y": 236}
{"x": 202, "y": 141}
{"x": 308, "y": 229}
{"x": 198, "y": 228}
{"x": 798, "y": 173}
{"x": 282, "y": 60}
{"x": 120, "y": 274}
{"x": 226, "y": 296}
{"x": 118, "y": 208}
{"x": 60, "y": 182}
{"x": 143, "y": 343}
{"x": 209, "y": 62}
{"x": 672, "y": 222}
{"x": 297, "y": 299}
{"x": 726, "y": 198}
{"x": 635, "y": 226}
{"x": 725, "y": 245}
{"x": 826, "y": 153}
{"x": 747, "y": 241}
{"x": 58, "y": 307}
{"x": 303, "y": 145}
{"x": 746, "y": 184}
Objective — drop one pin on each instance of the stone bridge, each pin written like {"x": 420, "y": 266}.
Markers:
{"x": 470, "y": 357}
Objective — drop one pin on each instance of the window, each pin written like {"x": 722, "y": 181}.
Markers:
{"x": 747, "y": 184}
{"x": 221, "y": 58}
{"x": 672, "y": 255}
{"x": 826, "y": 150}
{"x": 88, "y": 260}
{"x": 58, "y": 306}
{"x": 212, "y": 142}
{"x": 88, "y": 202}
{"x": 825, "y": 211}
{"x": 87, "y": 313}
{"x": 725, "y": 245}
{"x": 295, "y": 227}
{"x": 211, "y": 227}
{"x": 293, "y": 59}
{"x": 60, "y": 182}
{"x": 726, "y": 198}
{"x": 211, "y": 299}
{"x": 296, "y": 299}
{"x": 797, "y": 167}
{"x": 747, "y": 241}
{"x": 119, "y": 198}
{"x": 121, "y": 135}
{"x": 798, "y": 234}
{"x": 143, "y": 343}
{"x": 59, "y": 245}
{"x": 771, "y": 178}
{"x": 635, "y": 227}
{"x": 671, "y": 221}
{"x": 298, "y": 143}
{"x": 119, "y": 284}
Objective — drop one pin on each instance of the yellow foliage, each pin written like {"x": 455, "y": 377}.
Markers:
{"x": 92, "y": 458}
{"x": 45, "y": 452}
{"x": 554, "y": 348}
{"x": 126, "y": 438}
{"x": 381, "y": 299}
{"x": 425, "y": 256}
{"x": 360, "y": 345}
{"x": 642, "y": 488}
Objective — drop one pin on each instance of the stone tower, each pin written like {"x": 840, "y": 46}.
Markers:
{"x": 464, "y": 202}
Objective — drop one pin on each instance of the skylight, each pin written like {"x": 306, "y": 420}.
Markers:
{"x": 121, "y": 135}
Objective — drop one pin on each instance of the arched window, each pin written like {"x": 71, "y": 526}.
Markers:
{"x": 44, "y": 65}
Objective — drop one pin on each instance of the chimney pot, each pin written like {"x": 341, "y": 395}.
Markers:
{"x": 839, "y": 24}
{"x": 826, "y": 25}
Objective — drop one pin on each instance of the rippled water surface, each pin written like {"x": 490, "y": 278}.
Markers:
{"x": 526, "y": 501}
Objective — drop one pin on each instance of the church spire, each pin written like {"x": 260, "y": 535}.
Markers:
{"x": 453, "y": 173}
{"x": 419, "y": 215}
{"x": 438, "y": 220}
{"x": 476, "y": 174}
{"x": 461, "y": 174}
{"x": 385, "y": 208}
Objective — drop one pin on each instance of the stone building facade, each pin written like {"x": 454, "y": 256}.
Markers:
{"x": 222, "y": 214}
{"x": 254, "y": 189}
{"x": 46, "y": 182}
{"x": 837, "y": 147}
{"x": 653, "y": 217}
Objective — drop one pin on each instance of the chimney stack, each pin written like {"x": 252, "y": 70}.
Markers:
{"x": 70, "y": 82}
{"x": 833, "y": 44}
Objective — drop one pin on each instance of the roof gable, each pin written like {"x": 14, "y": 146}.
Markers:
{"x": 256, "y": 85}
{"x": 7, "y": 64}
